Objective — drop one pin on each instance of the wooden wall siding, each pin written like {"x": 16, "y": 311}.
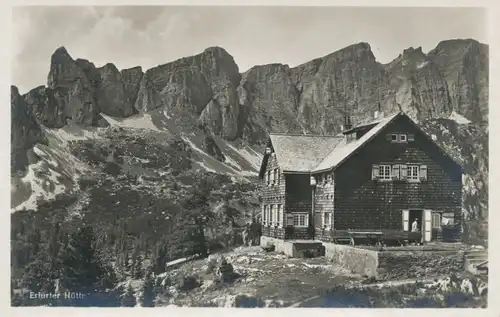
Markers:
{"x": 274, "y": 194}
{"x": 291, "y": 233}
{"x": 298, "y": 194}
{"x": 298, "y": 233}
{"x": 323, "y": 201}
{"x": 324, "y": 235}
{"x": 365, "y": 204}
{"x": 278, "y": 233}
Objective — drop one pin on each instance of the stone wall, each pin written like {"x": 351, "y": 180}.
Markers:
{"x": 357, "y": 260}
{"x": 384, "y": 265}
{"x": 293, "y": 249}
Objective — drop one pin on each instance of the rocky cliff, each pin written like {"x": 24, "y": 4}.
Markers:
{"x": 204, "y": 97}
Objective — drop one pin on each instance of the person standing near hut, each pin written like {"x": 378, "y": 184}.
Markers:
{"x": 414, "y": 226}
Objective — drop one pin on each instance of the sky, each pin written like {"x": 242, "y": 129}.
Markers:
{"x": 148, "y": 36}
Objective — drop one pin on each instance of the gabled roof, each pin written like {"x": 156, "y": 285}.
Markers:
{"x": 345, "y": 149}
{"x": 301, "y": 153}
{"x": 313, "y": 154}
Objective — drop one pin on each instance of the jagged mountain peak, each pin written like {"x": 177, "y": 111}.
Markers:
{"x": 135, "y": 68}
{"x": 60, "y": 55}
{"x": 355, "y": 52}
{"x": 216, "y": 49}
{"x": 14, "y": 91}
{"x": 413, "y": 52}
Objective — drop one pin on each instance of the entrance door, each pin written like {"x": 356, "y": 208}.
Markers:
{"x": 427, "y": 225}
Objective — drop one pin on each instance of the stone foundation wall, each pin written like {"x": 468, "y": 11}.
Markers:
{"x": 279, "y": 245}
{"x": 383, "y": 265}
{"x": 356, "y": 260}
{"x": 293, "y": 249}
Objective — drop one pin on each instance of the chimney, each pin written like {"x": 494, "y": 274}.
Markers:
{"x": 378, "y": 113}
{"x": 347, "y": 122}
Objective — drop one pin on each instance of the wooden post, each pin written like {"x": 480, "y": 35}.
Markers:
{"x": 313, "y": 213}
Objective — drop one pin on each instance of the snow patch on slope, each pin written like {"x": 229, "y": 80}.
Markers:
{"x": 67, "y": 133}
{"x": 421, "y": 65}
{"x": 458, "y": 118}
{"x": 249, "y": 154}
{"x": 207, "y": 158}
{"x": 44, "y": 185}
{"x": 140, "y": 121}
{"x": 212, "y": 165}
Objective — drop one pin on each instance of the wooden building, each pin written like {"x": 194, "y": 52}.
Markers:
{"x": 386, "y": 179}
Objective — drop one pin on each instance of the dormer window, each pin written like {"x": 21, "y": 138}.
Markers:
{"x": 400, "y": 137}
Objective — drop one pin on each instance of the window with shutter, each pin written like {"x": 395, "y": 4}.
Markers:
{"x": 279, "y": 215}
{"x": 413, "y": 173}
{"x": 265, "y": 215}
{"x": 318, "y": 221}
{"x": 375, "y": 172}
{"x": 448, "y": 219}
{"x": 395, "y": 172}
{"x": 272, "y": 217}
{"x": 436, "y": 220}
{"x": 384, "y": 172}
{"x": 423, "y": 172}
{"x": 403, "y": 171}
{"x": 301, "y": 220}
{"x": 392, "y": 137}
{"x": 406, "y": 220}
{"x": 411, "y": 137}
{"x": 326, "y": 220}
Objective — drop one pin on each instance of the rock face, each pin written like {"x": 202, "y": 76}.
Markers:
{"x": 464, "y": 66}
{"x": 72, "y": 88}
{"x": 111, "y": 96}
{"x": 49, "y": 110}
{"x": 191, "y": 84}
{"x": 314, "y": 97}
{"x": 78, "y": 91}
{"x": 25, "y": 132}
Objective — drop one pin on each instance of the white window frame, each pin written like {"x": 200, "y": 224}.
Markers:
{"x": 448, "y": 215}
{"x": 403, "y": 136}
{"x": 327, "y": 219}
{"x": 263, "y": 216}
{"x": 413, "y": 173}
{"x": 436, "y": 220}
{"x": 265, "y": 219}
{"x": 279, "y": 216}
{"x": 382, "y": 169}
{"x": 392, "y": 138}
{"x": 272, "y": 217}
{"x": 329, "y": 178}
{"x": 297, "y": 220}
